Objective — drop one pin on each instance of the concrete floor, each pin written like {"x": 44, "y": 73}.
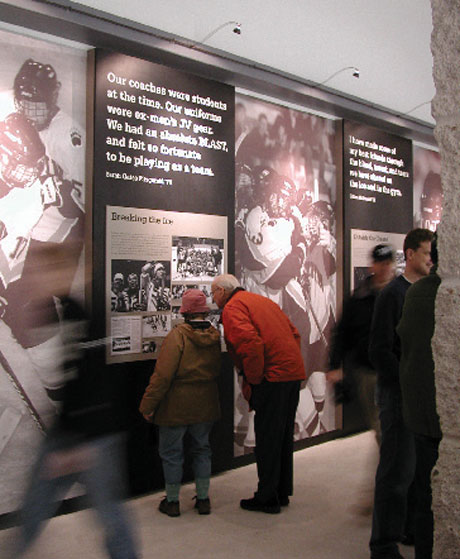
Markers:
{"x": 325, "y": 520}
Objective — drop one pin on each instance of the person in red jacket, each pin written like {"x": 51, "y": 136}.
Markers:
{"x": 265, "y": 347}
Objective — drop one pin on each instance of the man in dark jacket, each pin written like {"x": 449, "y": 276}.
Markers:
{"x": 265, "y": 347}
{"x": 415, "y": 331}
{"x": 350, "y": 342}
{"x": 395, "y": 471}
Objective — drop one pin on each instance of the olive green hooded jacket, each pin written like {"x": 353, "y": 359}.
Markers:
{"x": 183, "y": 388}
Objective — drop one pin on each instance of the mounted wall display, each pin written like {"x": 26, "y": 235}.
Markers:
{"x": 162, "y": 136}
{"x": 377, "y": 185}
{"x": 285, "y": 242}
{"x": 153, "y": 256}
{"x": 362, "y": 243}
{"x": 377, "y": 179}
{"x": 428, "y": 195}
{"x": 42, "y": 146}
{"x": 163, "y": 139}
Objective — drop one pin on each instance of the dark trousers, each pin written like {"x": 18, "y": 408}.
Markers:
{"x": 426, "y": 450}
{"x": 395, "y": 474}
{"x": 275, "y": 405}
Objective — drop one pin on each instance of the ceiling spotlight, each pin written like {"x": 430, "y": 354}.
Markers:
{"x": 355, "y": 74}
{"x": 236, "y": 30}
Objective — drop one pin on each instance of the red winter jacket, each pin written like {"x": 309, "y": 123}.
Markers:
{"x": 261, "y": 339}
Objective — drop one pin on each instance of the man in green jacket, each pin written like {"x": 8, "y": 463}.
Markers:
{"x": 416, "y": 377}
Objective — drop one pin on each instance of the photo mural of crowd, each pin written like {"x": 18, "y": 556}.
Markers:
{"x": 285, "y": 238}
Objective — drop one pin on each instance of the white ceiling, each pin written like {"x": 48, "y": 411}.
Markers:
{"x": 388, "y": 40}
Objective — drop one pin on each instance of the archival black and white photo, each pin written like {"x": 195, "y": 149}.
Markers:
{"x": 42, "y": 147}
{"x": 285, "y": 240}
{"x": 178, "y": 289}
{"x": 206, "y": 289}
{"x": 156, "y": 325}
{"x": 176, "y": 316}
{"x": 138, "y": 285}
{"x": 125, "y": 293}
{"x": 149, "y": 346}
{"x": 197, "y": 258}
{"x": 121, "y": 344}
{"x": 155, "y": 286}
{"x": 214, "y": 318}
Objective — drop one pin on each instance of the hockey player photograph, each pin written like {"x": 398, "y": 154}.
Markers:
{"x": 428, "y": 195}
{"x": 285, "y": 240}
{"x": 42, "y": 111}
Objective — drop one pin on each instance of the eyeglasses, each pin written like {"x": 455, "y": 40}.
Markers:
{"x": 214, "y": 290}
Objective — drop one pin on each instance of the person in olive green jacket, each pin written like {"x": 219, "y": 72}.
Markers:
{"x": 418, "y": 390}
{"x": 182, "y": 397}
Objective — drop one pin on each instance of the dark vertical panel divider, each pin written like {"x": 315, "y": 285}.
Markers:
{"x": 163, "y": 139}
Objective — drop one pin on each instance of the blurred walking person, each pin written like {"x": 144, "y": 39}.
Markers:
{"x": 85, "y": 443}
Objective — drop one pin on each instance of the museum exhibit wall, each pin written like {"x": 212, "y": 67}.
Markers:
{"x": 186, "y": 179}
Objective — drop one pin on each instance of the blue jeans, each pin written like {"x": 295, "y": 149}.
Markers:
{"x": 395, "y": 474}
{"x": 103, "y": 482}
{"x": 171, "y": 449}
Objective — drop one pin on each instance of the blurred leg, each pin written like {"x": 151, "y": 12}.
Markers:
{"x": 43, "y": 495}
{"x": 105, "y": 487}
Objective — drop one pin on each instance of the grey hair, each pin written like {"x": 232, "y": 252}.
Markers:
{"x": 227, "y": 281}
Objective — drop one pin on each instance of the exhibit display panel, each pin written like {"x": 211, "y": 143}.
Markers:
{"x": 362, "y": 243}
{"x": 42, "y": 143}
{"x": 163, "y": 135}
{"x": 153, "y": 256}
{"x": 377, "y": 187}
{"x": 285, "y": 242}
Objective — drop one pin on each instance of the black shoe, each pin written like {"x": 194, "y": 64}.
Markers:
{"x": 255, "y": 505}
{"x": 171, "y": 508}
{"x": 284, "y": 500}
{"x": 203, "y": 506}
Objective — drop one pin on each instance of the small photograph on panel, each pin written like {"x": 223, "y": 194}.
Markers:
{"x": 206, "y": 289}
{"x": 156, "y": 325}
{"x": 178, "y": 289}
{"x": 155, "y": 286}
{"x": 121, "y": 344}
{"x": 149, "y": 346}
{"x": 214, "y": 318}
{"x": 176, "y": 316}
{"x": 125, "y": 285}
{"x": 197, "y": 258}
